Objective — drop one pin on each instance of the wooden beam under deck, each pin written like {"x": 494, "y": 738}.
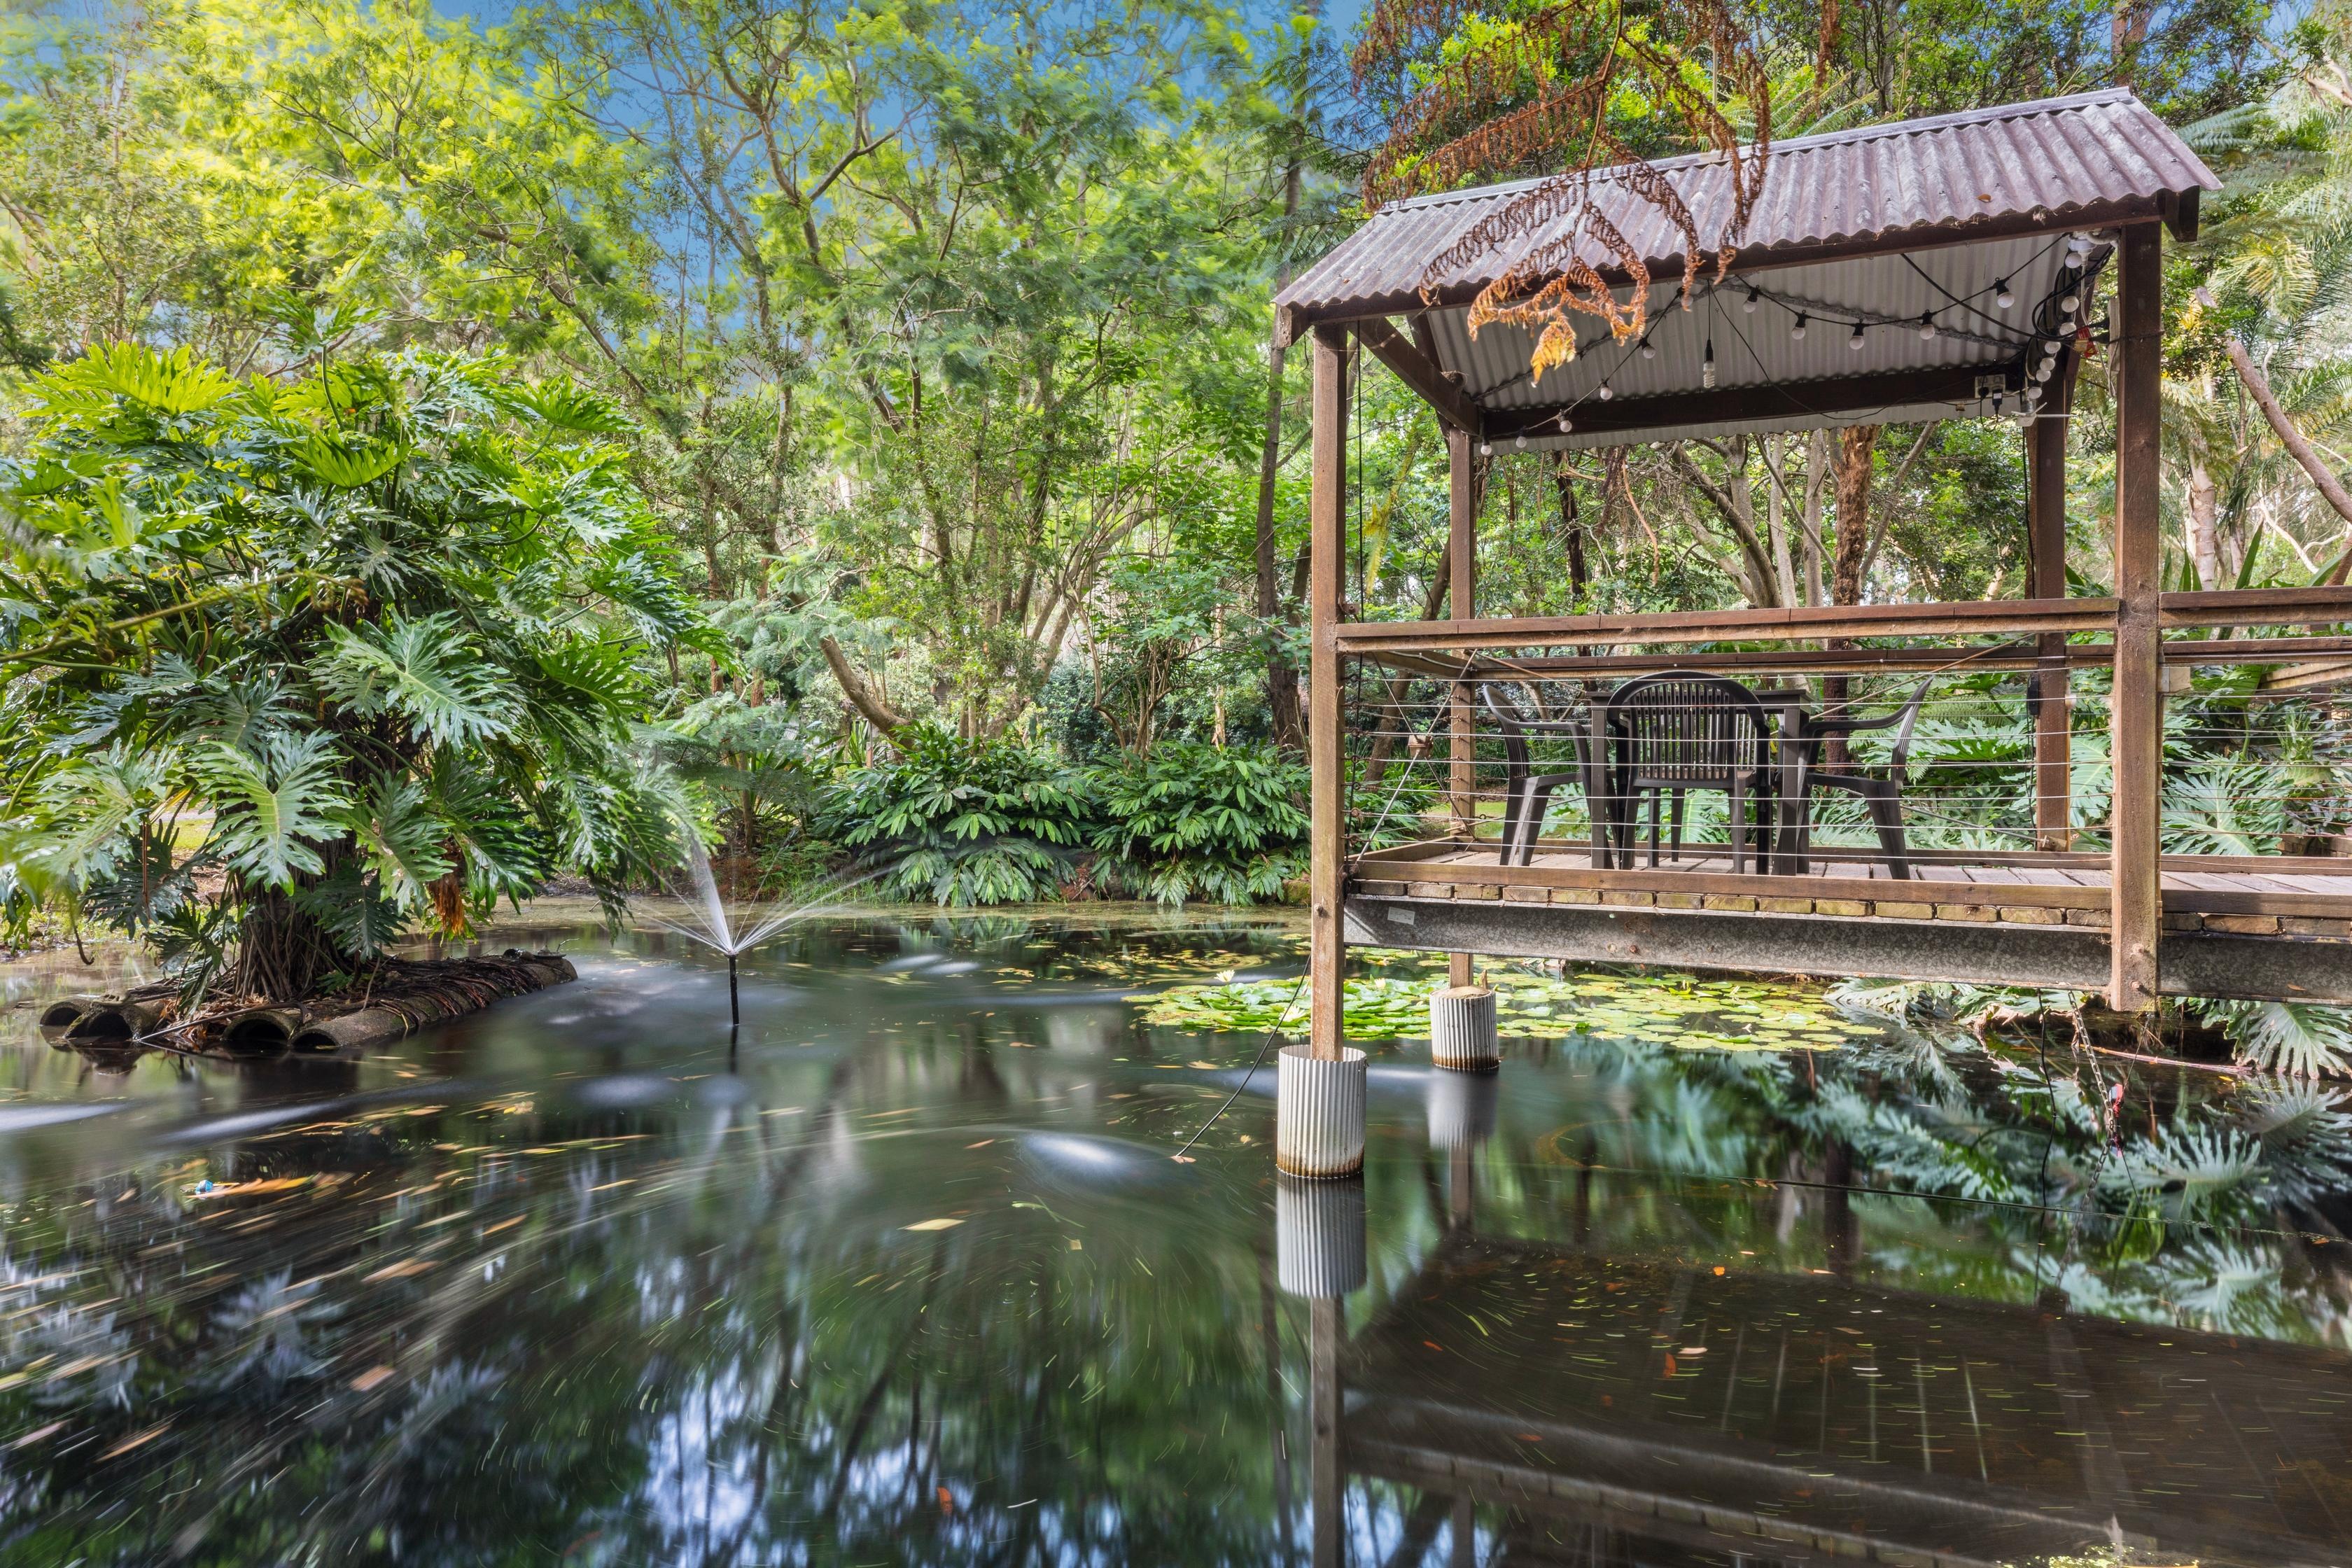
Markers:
{"x": 1985, "y": 952}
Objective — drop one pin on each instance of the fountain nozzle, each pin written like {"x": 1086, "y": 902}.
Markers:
{"x": 734, "y": 1003}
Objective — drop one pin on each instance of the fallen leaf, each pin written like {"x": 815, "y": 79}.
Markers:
{"x": 982, "y": 1144}
{"x": 932, "y": 1225}
{"x": 127, "y": 1444}
{"x": 400, "y": 1270}
{"x": 370, "y": 1377}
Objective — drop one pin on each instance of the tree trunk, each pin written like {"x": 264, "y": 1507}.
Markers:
{"x": 2259, "y": 385}
{"x": 281, "y": 952}
{"x": 1281, "y": 674}
{"x": 2199, "y": 517}
{"x": 1817, "y": 469}
{"x": 1572, "y": 527}
{"x": 859, "y": 690}
{"x": 1776, "y": 520}
{"x": 1857, "y": 445}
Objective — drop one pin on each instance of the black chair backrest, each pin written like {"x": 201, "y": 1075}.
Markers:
{"x": 1684, "y": 727}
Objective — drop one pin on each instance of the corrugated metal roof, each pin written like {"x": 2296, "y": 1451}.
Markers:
{"x": 2093, "y": 158}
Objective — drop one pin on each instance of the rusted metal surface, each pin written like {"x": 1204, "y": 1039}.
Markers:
{"x": 2058, "y": 163}
{"x": 1859, "y": 235}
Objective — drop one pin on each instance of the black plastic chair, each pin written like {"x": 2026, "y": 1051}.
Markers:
{"x": 1881, "y": 791}
{"x": 1679, "y": 730}
{"x": 1528, "y": 793}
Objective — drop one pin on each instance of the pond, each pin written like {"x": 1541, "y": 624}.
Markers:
{"x": 905, "y": 1272}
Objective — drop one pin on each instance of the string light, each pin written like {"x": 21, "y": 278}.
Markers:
{"x": 1605, "y": 394}
{"x": 1647, "y": 352}
{"x": 1706, "y": 365}
{"x": 1519, "y": 443}
{"x": 1485, "y": 448}
{"x": 2070, "y": 304}
{"x": 1926, "y": 324}
{"x": 1748, "y": 304}
{"x": 1855, "y": 342}
{"x": 2002, "y": 299}
{"x": 1798, "y": 331}
{"x": 1566, "y": 424}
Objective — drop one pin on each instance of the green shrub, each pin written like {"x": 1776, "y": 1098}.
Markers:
{"x": 1193, "y": 820}
{"x": 963, "y": 822}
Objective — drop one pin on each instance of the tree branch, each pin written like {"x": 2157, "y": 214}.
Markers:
{"x": 859, "y": 690}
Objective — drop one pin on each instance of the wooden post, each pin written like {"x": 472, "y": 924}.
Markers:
{"x": 1462, "y": 568}
{"x": 1326, "y": 788}
{"x": 2046, "y": 501}
{"x": 2138, "y": 722}
{"x": 1326, "y": 1334}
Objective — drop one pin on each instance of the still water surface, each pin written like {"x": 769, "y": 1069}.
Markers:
{"x": 904, "y": 1273}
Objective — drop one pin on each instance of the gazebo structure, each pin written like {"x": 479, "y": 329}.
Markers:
{"x": 1956, "y": 267}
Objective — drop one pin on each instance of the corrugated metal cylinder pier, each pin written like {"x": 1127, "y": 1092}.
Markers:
{"x": 1955, "y": 268}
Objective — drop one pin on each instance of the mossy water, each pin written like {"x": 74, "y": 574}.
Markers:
{"x": 903, "y": 1272}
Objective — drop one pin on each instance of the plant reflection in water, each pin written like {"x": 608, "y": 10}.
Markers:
{"x": 915, "y": 1284}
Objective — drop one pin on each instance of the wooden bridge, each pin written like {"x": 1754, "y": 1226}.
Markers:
{"x": 1892, "y": 242}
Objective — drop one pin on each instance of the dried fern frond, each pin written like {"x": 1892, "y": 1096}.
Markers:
{"x": 1574, "y": 54}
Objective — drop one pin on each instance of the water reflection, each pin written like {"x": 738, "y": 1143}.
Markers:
{"x": 906, "y": 1276}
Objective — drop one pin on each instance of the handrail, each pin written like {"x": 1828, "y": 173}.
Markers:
{"x": 1994, "y": 617}
{"x": 2256, "y": 607}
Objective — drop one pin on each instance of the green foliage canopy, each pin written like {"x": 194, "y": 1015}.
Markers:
{"x": 293, "y": 664}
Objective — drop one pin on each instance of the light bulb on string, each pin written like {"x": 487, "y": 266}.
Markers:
{"x": 1798, "y": 331}
{"x": 1854, "y": 340}
{"x": 2002, "y": 298}
{"x": 1606, "y": 393}
{"x": 1748, "y": 304}
{"x": 1519, "y": 443}
{"x": 1926, "y": 324}
{"x": 1706, "y": 365}
{"x": 1485, "y": 448}
{"x": 2070, "y": 303}
{"x": 1566, "y": 424}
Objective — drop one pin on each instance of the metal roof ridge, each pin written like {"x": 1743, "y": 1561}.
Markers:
{"x": 1852, "y": 137}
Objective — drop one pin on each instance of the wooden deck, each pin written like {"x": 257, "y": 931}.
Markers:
{"x": 2270, "y": 926}
{"x": 1827, "y": 1421}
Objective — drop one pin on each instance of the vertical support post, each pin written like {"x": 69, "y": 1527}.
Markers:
{"x": 1326, "y": 1331}
{"x": 2045, "y": 501}
{"x": 1462, "y": 570}
{"x": 1327, "y": 559}
{"x": 2138, "y": 719}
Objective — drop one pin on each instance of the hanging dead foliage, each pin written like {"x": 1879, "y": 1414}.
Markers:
{"x": 1497, "y": 97}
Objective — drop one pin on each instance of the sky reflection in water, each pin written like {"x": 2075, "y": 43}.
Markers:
{"x": 906, "y": 1276}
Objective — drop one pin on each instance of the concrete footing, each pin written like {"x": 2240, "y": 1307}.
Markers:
{"x": 1462, "y": 1029}
{"x": 1318, "y": 1113}
{"x": 1319, "y": 1236}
